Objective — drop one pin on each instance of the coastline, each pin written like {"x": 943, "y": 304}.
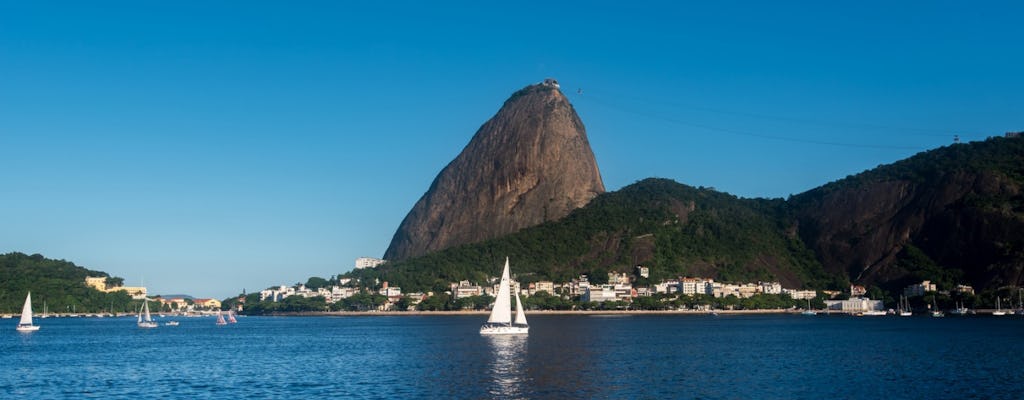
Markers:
{"x": 530, "y": 313}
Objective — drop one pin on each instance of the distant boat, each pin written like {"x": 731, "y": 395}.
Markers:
{"x": 171, "y": 323}
{"x": 500, "y": 321}
{"x": 25, "y": 325}
{"x": 873, "y": 313}
{"x": 904, "y": 310}
{"x": 959, "y": 310}
{"x": 808, "y": 310}
{"x": 231, "y": 317}
{"x": 936, "y": 312}
{"x": 999, "y": 309}
{"x": 220, "y": 319}
{"x": 144, "y": 320}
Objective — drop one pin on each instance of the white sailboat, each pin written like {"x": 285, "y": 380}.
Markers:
{"x": 999, "y": 309}
{"x": 231, "y": 317}
{"x": 500, "y": 321}
{"x": 25, "y": 325}
{"x": 220, "y": 319}
{"x": 905, "y": 307}
{"x": 808, "y": 310}
{"x": 145, "y": 321}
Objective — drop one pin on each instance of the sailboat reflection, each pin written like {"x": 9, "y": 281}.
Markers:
{"x": 507, "y": 369}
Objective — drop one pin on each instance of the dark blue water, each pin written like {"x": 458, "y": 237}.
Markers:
{"x": 729, "y": 357}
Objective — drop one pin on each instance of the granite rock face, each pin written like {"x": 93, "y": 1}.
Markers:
{"x": 529, "y": 164}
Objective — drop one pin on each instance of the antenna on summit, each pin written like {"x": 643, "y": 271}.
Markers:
{"x": 551, "y": 82}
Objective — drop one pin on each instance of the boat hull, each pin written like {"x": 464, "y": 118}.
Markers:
{"x": 148, "y": 325}
{"x": 491, "y": 329}
{"x": 27, "y": 328}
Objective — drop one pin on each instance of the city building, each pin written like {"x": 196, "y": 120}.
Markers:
{"x": 368, "y": 262}
{"x": 855, "y": 305}
{"x": 100, "y": 283}
{"x": 963, "y": 289}
{"x": 643, "y": 271}
{"x": 599, "y": 293}
{"x": 800, "y": 294}
{"x": 857, "y": 291}
{"x": 209, "y": 304}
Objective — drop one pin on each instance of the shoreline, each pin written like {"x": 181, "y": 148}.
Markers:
{"x": 531, "y": 313}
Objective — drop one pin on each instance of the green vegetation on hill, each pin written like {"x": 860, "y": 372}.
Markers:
{"x": 673, "y": 229}
{"x": 59, "y": 283}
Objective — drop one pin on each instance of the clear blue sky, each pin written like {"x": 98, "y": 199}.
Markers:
{"x": 207, "y": 147}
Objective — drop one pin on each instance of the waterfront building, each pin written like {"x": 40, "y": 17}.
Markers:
{"x": 209, "y": 304}
{"x": 643, "y": 271}
{"x": 857, "y": 291}
{"x": 854, "y": 305}
{"x": 599, "y": 293}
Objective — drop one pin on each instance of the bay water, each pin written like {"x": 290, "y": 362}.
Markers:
{"x": 564, "y": 356}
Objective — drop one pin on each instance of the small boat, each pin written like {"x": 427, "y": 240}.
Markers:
{"x": 25, "y": 325}
{"x": 808, "y": 310}
{"x": 145, "y": 320}
{"x": 171, "y": 323}
{"x": 999, "y": 309}
{"x": 231, "y": 318}
{"x": 500, "y": 322}
{"x": 959, "y": 310}
{"x": 220, "y": 319}
{"x": 873, "y": 313}
{"x": 936, "y": 312}
{"x": 904, "y": 310}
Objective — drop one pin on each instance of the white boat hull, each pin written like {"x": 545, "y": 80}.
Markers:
{"x": 27, "y": 328}
{"x": 504, "y": 330}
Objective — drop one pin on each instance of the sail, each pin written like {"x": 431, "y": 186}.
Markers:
{"x": 520, "y": 315}
{"x": 26, "y": 311}
{"x": 502, "y": 311}
{"x": 145, "y": 308}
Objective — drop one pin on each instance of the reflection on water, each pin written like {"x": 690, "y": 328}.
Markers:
{"x": 507, "y": 368}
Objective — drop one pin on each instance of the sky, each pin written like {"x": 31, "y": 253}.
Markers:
{"x": 206, "y": 148}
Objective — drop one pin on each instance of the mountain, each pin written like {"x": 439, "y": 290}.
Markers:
{"x": 951, "y": 215}
{"x": 529, "y": 164}
{"x": 61, "y": 284}
{"x": 674, "y": 229}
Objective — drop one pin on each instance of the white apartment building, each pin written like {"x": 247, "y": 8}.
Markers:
{"x": 368, "y": 262}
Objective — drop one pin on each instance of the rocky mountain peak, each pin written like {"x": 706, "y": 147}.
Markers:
{"x": 530, "y": 163}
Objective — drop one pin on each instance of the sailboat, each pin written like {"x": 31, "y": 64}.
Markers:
{"x": 25, "y": 325}
{"x": 999, "y": 309}
{"x": 220, "y": 319}
{"x": 231, "y": 317}
{"x": 145, "y": 321}
{"x": 959, "y": 310}
{"x": 808, "y": 310}
{"x": 936, "y": 312}
{"x": 500, "y": 321}
{"x": 905, "y": 307}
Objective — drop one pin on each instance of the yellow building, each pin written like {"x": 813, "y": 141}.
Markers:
{"x": 212, "y": 304}
{"x": 96, "y": 282}
{"x": 100, "y": 283}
